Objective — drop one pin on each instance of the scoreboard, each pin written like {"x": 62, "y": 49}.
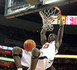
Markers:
{"x": 69, "y": 20}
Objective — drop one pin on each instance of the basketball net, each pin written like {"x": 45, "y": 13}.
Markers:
{"x": 49, "y": 17}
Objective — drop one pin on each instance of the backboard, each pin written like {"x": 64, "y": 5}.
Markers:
{"x": 15, "y": 8}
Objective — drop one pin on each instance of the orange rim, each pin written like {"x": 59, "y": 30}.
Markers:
{"x": 58, "y": 9}
{"x": 49, "y": 18}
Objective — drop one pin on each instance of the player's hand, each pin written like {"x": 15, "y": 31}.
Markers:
{"x": 61, "y": 21}
{"x": 59, "y": 17}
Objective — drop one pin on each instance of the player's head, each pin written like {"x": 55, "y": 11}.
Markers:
{"x": 52, "y": 37}
{"x": 29, "y": 45}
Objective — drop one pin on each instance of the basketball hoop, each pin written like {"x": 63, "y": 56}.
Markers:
{"x": 49, "y": 17}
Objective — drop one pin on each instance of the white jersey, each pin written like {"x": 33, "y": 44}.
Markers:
{"x": 26, "y": 58}
{"x": 48, "y": 50}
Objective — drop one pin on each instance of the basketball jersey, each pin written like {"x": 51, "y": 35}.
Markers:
{"x": 26, "y": 58}
{"x": 48, "y": 50}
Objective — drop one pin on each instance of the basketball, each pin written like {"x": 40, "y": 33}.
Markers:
{"x": 29, "y": 45}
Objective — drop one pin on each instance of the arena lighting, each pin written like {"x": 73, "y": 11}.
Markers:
{"x": 6, "y": 63}
{"x": 57, "y": 56}
{"x": 50, "y": 1}
{"x": 7, "y": 52}
{"x": 66, "y": 56}
{"x": 6, "y": 48}
{"x": 6, "y": 59}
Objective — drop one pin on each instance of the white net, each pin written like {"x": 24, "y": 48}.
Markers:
{"x": 49, "y": 17}
{"x": 47, "y": 23}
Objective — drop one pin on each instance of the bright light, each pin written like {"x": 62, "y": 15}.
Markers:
{"x": 49, "y": 1}
{"x": 66, "y": 56}
{"x": 57, "y": 56}
{"x": 7, "y": 59}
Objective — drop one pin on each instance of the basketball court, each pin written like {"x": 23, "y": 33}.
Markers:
{"x": 46, "y": 9}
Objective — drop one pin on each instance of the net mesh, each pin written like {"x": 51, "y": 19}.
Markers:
{"x": 49, "y": 17}
{"x": 47, "y": 23}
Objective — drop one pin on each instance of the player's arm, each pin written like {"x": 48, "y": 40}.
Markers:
{"x": 34, "y": 59}
{"x": 43, "y": 35}
{"x": 16, "y": 52}
{"x": 60, "y": 34}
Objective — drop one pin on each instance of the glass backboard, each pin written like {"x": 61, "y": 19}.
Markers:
{"x": 15, "y": 8}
